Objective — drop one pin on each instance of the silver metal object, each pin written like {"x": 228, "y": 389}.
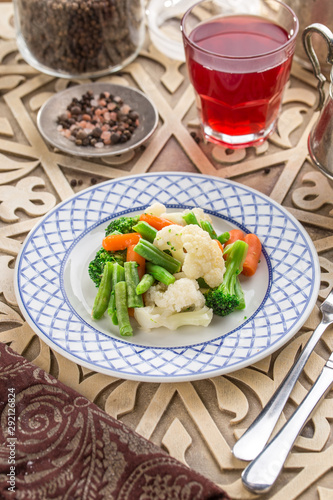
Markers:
{"x": 252, "y": 442}
{"x": 57, "y": 104}
{"x": 320, "y": 142}
{"x": 261, "y": 474}
{"x": 309, "y": 12}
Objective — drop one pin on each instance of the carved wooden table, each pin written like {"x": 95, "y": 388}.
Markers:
{"x": 197, "y": 422}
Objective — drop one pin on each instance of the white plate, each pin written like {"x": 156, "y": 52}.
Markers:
{"x": 55, "y": 293}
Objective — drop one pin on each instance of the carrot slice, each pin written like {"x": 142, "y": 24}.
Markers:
{"x": 156, "y": 222}
{"x": 131, "y": 255}
{"x": 220, "y": 245}
{"x": 115, "y": 242}
{"x": 253, "y": 254}
{"x": 235, "y": 234}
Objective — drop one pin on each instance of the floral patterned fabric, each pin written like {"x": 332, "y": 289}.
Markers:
{"x": 55, "y": 444}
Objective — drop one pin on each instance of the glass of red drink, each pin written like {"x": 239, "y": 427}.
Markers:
{"x": 238, "y": 55}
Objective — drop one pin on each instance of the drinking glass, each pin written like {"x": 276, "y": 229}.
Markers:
{"x": 238, "y": 56}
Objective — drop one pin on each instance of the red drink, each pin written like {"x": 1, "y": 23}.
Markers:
{"x": 239, "y": 66}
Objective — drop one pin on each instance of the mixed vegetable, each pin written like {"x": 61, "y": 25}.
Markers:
{"x": 170, "y": 269}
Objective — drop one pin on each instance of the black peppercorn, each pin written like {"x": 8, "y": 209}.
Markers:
{"x": 102, "y": 125}
{"x": 96, "y": 132}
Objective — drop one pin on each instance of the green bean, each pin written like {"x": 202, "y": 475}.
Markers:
{"x": 104, "y": 291}
{"x": 125, "y": 327}
{"x": 190, "y": 218}
{"x": 153, "y": 254}
{"x": 146, "y": 282}
{"x": 147, "y": 231}
{"x": 160, "y": 274}
{"x": 224, "y": 237}
{"x": 118, "y": 274}
{"x": 132, "y": 281}
{"x": 206, "y": 226}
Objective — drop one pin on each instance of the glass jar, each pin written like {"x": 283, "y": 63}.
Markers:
{"x": 79, "y": 38}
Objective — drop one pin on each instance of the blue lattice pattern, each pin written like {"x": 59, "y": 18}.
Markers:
{"x": 290, "y": 255}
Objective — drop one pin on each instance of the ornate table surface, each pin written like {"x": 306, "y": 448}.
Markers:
{"x": 196, "y": 422}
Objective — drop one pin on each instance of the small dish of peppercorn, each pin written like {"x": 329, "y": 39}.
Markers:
{"x": 97, "y": 119}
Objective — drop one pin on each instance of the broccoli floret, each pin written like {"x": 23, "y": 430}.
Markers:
{"x": 229, "y": 295}
{"x": 123, "y": 225}
{"x": 96, "y": 266}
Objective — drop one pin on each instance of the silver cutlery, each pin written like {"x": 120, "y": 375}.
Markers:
{"x": 252, "y": 442}
{"x": 261, "y": 473}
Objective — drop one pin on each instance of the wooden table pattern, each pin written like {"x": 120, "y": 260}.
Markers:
{"x": 197, "y": 422}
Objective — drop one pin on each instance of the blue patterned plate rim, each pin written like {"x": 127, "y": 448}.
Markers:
{"x": 290, "y": 279}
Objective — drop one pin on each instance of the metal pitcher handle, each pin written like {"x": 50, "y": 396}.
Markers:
{"x": 328, "y": 37}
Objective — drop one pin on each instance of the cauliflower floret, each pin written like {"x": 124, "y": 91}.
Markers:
{"x": 170, "y": 238}
{"x": 180, "y": 295}
{"x": 203, "y": 257}
{"x": 200, "y": 214}
{"x": 159, "y": 210}
{"x": 156, "y": 209}
{"x": 175, "y": 217}
{"x": 152, "y": 291}
{"x": 152, "y": 317}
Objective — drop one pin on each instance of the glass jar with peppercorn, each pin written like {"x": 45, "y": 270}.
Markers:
{"x": 79, "y": 38}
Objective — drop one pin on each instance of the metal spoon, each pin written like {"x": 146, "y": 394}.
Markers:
{"x": 252, "y": 442}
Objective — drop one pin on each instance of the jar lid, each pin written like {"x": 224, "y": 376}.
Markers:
{"x": 163, "y": 18}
